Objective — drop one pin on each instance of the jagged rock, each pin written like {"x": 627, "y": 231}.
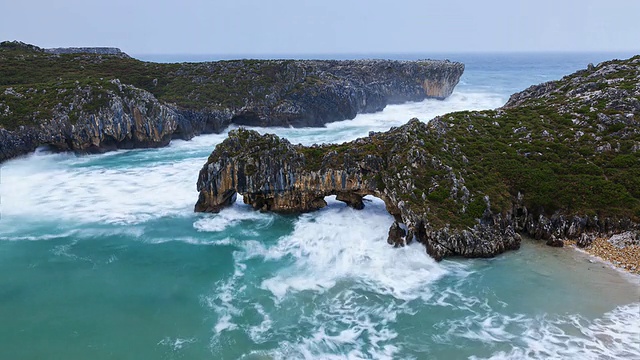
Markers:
{"x": 277, "y": 181}
{"x": 585, "y": 240}
{"x": 396, "y": 235}
{"x": 273, "y": 175}
{"x": 555, "y": 242}
{"x": 627, "y": 238}
{"x": 459, "y": 184}
{"x": 99, "y": 99}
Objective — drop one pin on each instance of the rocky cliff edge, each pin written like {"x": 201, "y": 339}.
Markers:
{"x": 560, "y": 160}
{"x": 92, "y": 100}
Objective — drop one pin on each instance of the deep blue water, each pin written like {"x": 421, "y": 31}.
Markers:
{"x": 101, "y": 257}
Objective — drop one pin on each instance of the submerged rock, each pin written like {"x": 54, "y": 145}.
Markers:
{"x": 555, "y": 242}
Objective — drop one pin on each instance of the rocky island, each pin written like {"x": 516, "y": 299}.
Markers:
{"x": 99, "y": 99}
{"x": 560, "y": 160}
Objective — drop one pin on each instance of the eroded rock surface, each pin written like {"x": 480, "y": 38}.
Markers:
{"x": 465, "y": 184}
{"x": 97, "y": 99}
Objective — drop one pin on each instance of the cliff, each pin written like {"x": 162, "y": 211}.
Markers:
{"x": 559, "y": 160}
{"x": 87, "y": 50}
{"x": 97, "y": 99}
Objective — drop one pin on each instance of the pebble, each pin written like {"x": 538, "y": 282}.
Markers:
{"x": 626, "y": 258}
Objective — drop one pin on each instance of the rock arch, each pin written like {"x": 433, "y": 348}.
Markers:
{"x": 271, "y": 174}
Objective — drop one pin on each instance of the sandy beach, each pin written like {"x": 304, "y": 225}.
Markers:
{"x": 626, "y": 259}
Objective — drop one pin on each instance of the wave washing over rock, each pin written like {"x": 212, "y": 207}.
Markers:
{"x": 560, "y": 160}
{"x": 97, "y": 99}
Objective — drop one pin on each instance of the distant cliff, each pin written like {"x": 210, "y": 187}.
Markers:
{"x": 97, "y": 99}
{"x": 560, "y": 160}
{"x": 87, "y": 50}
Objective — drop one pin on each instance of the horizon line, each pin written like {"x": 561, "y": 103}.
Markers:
{"x": 384, "y": 52}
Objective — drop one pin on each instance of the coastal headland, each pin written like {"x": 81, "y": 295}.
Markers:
{"x": 100, "y": 99}
{"x": 560, "y": 160}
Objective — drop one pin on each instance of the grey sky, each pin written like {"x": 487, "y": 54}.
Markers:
{"x": 329, "y": 26}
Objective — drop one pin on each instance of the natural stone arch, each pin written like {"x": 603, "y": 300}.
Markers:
{"x": 285, "y": 193}
{"x": 273, "y": 175}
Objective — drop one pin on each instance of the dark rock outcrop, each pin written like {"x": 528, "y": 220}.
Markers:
{"x": 396, "y": 235}
{"x": 273, "y": 175}
{"x": 87, "y": 50}
{"x": 466, "y": 184}
{"x": 280, "y": 182}
{"x": 99, "y": 99}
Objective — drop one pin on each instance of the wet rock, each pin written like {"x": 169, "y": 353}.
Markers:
{"x": 351, "y": 199}
{"x": 555, "y": 242}
{"x": 396, "y": 235}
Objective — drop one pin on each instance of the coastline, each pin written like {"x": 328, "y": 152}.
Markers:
{"x": 565, "y": 271}
{"x": 625, "y": 260}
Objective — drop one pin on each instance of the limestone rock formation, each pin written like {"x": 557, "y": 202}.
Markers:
{"x": 87, "y": 50}
{"x": 98, "y": 99}
{"x": 280, "y": 181}
{"x": 465, "y": 184}
{"x": 396, "y": 235}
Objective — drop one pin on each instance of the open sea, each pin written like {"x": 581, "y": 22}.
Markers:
{"x": 102, "y": 257}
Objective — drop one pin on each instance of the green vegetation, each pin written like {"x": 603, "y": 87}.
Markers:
{"x": 557, "y": 158}
{"x": 38, "y": 76}
{"x": 569, "y": 151}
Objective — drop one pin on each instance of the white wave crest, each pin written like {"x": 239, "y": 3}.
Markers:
{"x": 341, "y": 243}
{"x": 230, "y": 217}
{"x": 616, "y": 335}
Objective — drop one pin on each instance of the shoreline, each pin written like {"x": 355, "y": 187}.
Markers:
{"x": 625, "y": 260}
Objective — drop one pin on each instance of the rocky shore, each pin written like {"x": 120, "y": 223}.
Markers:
{"x": 620, "y": 250}
{"x": 560, "y": 160}
{"x": 99, "y": 99}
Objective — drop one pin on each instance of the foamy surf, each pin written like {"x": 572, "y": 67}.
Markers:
{"x": 339, "y": 258}
{"x": 232, "y": 216}
{"x": 392, "y": 115}
{"x": 616, "y": 335}
{"x": 111, "y": 239}
{"x": 341, "y": 243}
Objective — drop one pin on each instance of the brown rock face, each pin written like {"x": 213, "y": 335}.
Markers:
{"x": 280, "y": 183}
{"x": 273, "y": 175}
{"x": 559, "y": 162}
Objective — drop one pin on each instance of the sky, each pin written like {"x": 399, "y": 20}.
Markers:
{"x": 325, "y": 27}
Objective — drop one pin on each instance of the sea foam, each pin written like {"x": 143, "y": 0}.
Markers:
{"x": 136, "y": 186}
{"x": 342, "y": 243}
{"x": 615, "y": 335}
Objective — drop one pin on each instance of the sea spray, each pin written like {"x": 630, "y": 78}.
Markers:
{"x": 121, "y": 265}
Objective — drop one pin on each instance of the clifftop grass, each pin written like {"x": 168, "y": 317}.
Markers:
{"x": 571, "y": 146}
{"x": 33, "y": 82}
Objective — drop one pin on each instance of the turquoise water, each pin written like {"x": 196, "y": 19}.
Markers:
{"x": 101, "y": 257}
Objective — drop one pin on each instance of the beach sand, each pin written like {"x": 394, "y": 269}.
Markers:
{"x": 626, "y": 259}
